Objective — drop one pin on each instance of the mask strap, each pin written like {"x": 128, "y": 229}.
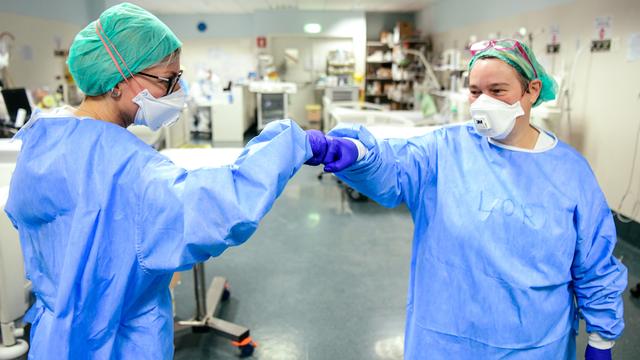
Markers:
{"x": 113, "y": 58}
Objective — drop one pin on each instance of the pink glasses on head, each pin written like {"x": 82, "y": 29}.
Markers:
{"x": 502, "y": 45}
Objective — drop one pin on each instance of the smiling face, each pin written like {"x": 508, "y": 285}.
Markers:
{"x": 493, "y": 77}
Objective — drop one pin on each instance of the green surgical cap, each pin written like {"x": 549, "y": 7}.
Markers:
{"x": 141, "y": 39}
{"x": 514, "y": 58}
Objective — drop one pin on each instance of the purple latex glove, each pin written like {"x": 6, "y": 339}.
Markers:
{"x": 341, "y": 153}
{"x": 318, "y": 147}
{"x": 597, "y": 354}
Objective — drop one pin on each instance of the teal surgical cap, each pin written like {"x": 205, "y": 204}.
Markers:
{"x": 139, "y": 37}
{"x": 514, "y": 58}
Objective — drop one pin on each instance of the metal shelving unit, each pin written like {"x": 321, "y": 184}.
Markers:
{"x": 377, "y": 87}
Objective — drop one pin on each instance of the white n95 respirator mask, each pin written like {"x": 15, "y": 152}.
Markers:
{"x": 156, "y": 113}
{"x": 494, "y": 118}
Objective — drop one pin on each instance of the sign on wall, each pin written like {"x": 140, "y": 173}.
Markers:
{"x": 603, "y": 25}
{"x": 261, "y": 42}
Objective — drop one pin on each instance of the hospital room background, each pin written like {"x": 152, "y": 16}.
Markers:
{"x": 325, "y": 275}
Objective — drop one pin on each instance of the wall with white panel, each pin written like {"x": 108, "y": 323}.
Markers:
{"x": 32, "y": 62}
{"x": 39, "y": 28}
{"x": 230, "y": 59}
{"x": 78, "y": 12}
{"x": 378, "y": 21}
{"x": 605, "y": 98}
{"x": 350, "y": 24}
{"x": 448, "y": 15}
{"x": 312, "y": 53}
{"x": 229, "y": 44}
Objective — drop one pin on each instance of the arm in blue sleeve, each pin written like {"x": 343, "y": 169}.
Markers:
{"x": 599, "y": 278}
{"x": 394, "y": 170}
{"x": 186, "y": 217}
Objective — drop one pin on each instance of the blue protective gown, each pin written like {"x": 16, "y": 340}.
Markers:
{"x": 104, "y": 220}
{"x": 504, "y": 242}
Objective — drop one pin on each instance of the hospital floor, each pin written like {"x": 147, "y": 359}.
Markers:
{"x": 326, "y": 278}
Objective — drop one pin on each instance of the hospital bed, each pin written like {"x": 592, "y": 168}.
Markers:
{"x": 369, "y": 114}
{"x": 382, "y": 123}
{"x": 14, "y": 288}
{"x": 208, "y": 300}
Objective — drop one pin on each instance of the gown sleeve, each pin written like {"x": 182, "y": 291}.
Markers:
{"x": 185, "y": 217}
{"x": 599, "y": 279}
{"x": 393, "y": 170}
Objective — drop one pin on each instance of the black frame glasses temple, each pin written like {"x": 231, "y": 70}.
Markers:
{"x": 171, "y": 82}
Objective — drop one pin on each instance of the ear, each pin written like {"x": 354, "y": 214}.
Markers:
{"x": 534, "y": 90}
{"x": 116, "y": 92}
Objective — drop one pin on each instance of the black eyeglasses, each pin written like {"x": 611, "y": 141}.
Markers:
{"x": 171, "y": 82}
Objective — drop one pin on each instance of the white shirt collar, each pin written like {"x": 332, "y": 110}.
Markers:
{"x": 546, "y": 141}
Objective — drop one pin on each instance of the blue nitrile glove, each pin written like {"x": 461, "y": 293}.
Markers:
{"x": 318, "y": 147}
{"x": 597, "y": 354}
{"x": 341, "y": 153}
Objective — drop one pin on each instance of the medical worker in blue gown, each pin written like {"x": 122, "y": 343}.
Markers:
{"x": 511, "y": 227}
{"x": 104, "y": 220}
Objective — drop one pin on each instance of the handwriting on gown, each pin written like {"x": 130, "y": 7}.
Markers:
{"x": 532, "y": 215}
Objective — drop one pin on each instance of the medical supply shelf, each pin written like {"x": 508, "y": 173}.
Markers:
{"x": 381, "y": 61}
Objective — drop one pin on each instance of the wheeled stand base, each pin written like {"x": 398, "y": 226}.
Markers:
{"x": 206, "y": 308}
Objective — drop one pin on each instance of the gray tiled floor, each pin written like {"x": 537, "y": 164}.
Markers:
{"x": 324, "y": 278}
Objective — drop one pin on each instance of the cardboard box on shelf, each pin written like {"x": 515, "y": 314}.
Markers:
{"x": 386, "y": 37}
{"x": 404, "y": 29}
{"x": 314, "y": 113}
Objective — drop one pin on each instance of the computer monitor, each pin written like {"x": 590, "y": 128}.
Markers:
{"x": 15, "y": 99}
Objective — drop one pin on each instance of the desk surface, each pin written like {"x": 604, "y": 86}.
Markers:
{"x": 9, "y": 150}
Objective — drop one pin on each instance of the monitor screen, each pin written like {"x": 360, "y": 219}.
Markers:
{"x": 15, "y": 99}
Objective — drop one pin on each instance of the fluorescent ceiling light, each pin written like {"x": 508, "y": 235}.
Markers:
{"x": 312, "y": 28}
